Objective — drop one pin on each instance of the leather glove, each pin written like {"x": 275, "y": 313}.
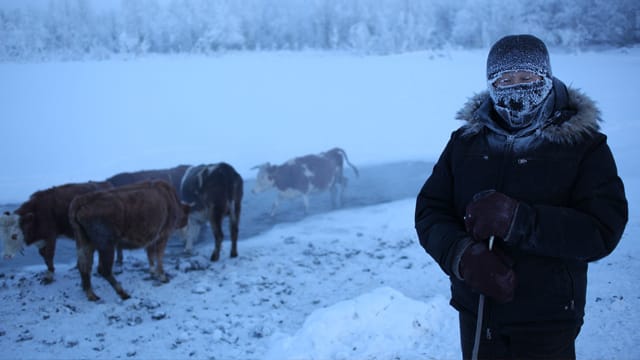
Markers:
{"x": 490, "y": 213}
{"x": 488, "y": 272}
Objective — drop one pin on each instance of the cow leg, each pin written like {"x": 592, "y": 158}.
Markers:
{"x": 234, "y": 220}
{"x": 47, "y": 252}
{"x": 85, "y": 263}
{"x": 183, "y": 235}
{"x": 216, "y": 227}
{"x": 343, "y": 186}
{"x": 105, "y": 268}
{"x": 119, "y": 257}
{"x": 155, "y": 254}
{"x": 187, "y": 237}
{"x": 119, "y": 260}
{"x": 151, "y": 257}
{"x": 84, "y": 250}
{"x": 191, "y": 232}
{"x": 159, "y": 249}
{"x": 305, "y": 200}
{"x": 275, "y": 205}
{"x": 334, "y": 192}
{"x": 340, "y": 183}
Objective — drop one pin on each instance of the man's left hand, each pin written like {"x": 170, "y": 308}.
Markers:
{"x": 490, "y": 213}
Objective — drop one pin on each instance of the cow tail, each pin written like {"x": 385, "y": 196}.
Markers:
{"x": 78, "y": 230}
{"x": 346, "y": 159}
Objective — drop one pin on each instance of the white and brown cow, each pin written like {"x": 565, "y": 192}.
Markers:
{"x": 213, "y": 191}
{"x": 301, "y": 176}
{"x": 41, "y": 220}
{"x": 140, "y": 215}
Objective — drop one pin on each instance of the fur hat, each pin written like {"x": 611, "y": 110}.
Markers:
{"x": 518, "y": 52}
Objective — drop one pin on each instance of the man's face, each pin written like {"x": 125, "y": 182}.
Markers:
{"x": 516, "y": 77}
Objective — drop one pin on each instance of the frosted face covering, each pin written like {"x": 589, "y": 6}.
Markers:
{"x": 518, "y": 104}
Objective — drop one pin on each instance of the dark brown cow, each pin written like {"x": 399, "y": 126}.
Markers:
{"x": 141, "y": 215}
{"x": 41, "y": 220}
{"x": 213, "y": 191}
{"x": 173, "y": 176}
{"x": 303, "y": 175}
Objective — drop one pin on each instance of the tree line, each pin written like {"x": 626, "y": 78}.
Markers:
{"x": 77, "y": 29}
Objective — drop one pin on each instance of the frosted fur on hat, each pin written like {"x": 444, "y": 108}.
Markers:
{"x": 518, "y": 52}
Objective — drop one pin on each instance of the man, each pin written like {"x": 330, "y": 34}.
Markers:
{"x": 523, "y": 197}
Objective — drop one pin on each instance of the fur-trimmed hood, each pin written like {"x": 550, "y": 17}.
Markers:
{"x": 574, "y": 117}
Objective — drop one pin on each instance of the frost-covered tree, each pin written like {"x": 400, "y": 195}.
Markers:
{"x": 78, "y": 28}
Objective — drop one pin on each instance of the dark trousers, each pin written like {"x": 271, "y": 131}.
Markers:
{"x": 549, "y": 340}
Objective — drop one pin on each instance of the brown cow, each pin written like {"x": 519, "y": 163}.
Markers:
{"x": 41, "y": 220}
{"x": 172, "y": 175}
{"x": 141, "y": 215}
{"x": 213, "y": 191}
{"x": 303, "y": 175}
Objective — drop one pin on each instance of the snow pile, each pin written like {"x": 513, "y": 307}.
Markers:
{"x": 381, "y": 324}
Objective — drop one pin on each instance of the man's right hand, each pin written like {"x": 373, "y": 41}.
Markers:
{"x": 488, "y": 272}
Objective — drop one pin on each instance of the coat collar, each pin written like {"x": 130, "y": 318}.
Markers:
{"x": 574, "y": 117}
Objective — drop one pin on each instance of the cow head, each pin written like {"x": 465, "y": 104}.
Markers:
{"x": 264, "y": 179}
{"x": 11, "y": 234}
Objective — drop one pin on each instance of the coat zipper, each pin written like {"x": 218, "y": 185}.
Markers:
{"x": 508, "y": 148}
{"x": 572, "y": 304}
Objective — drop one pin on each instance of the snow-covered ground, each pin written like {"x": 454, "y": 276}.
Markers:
{"x": 345, "y": 284}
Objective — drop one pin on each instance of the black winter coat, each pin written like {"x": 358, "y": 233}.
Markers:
{"x": 572, "y": 209}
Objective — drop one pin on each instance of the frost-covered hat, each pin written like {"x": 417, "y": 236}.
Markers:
{"x": 518, "y": 52}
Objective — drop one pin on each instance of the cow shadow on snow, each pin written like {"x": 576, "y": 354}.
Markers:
{"x": 377, "y": 184}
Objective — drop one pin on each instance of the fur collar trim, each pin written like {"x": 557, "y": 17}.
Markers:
{"x": 574, "y": 118}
